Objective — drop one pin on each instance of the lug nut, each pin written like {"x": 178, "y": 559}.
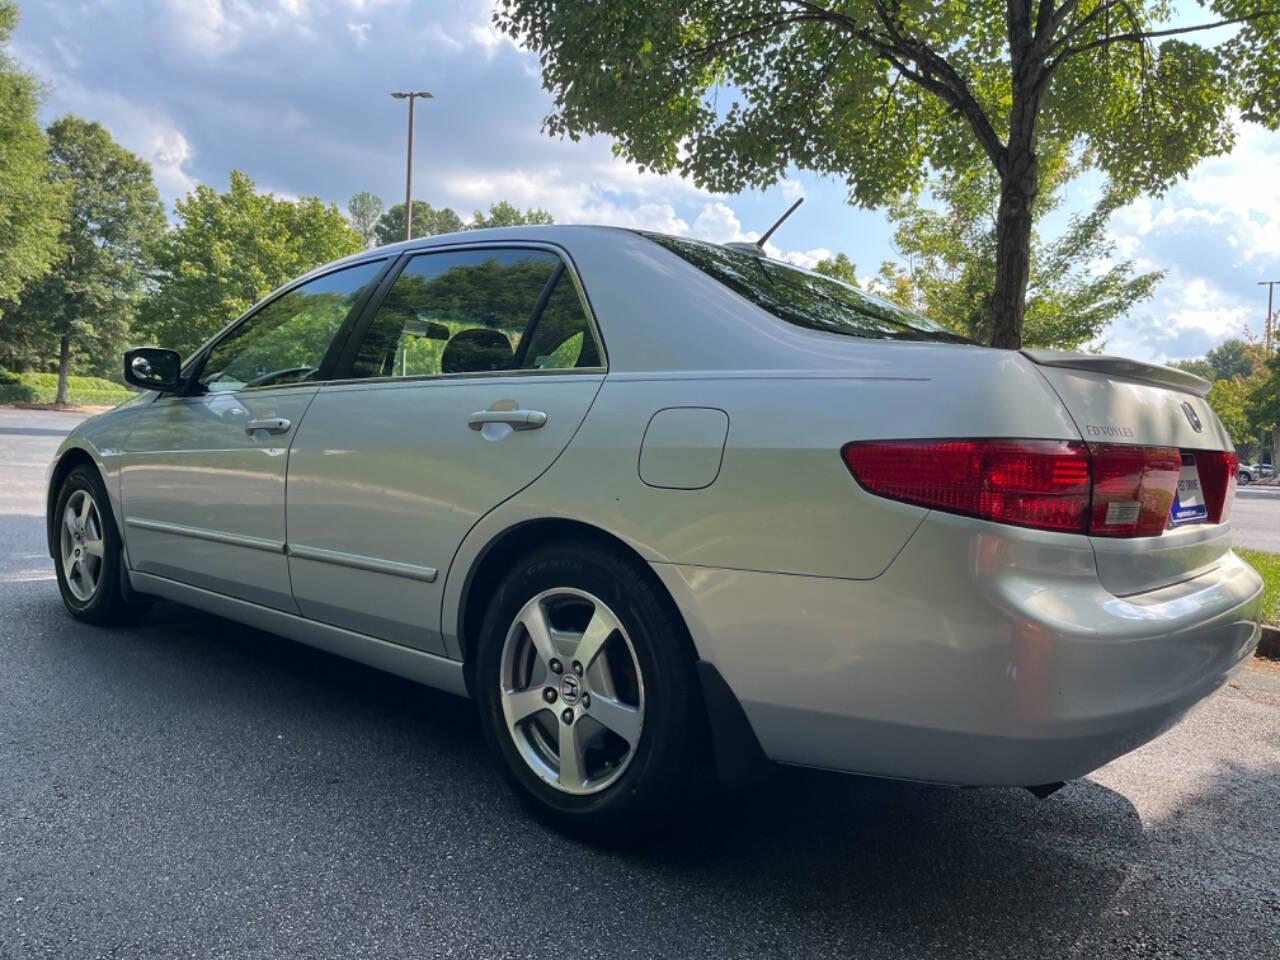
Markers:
{"x": 577, "y": 668}
{"x": 556, "y": 666}
{"x": 549, "y": 695}
{"x": 567, "y": 715}
{"x": 586, "y": 701}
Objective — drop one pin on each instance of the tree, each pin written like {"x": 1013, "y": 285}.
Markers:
{"x": 1075, "y": 287}
{"x": 1232, "y": 358}
{"x": 31, "y": 202}
{"x": 734, "y": 93}
{"x": 427, "y": 222}
{"x": 840, "y": 267}
{"x": 1229, "y": 398}
{"x": 86, "y": 303}
{"x": 504, "y": 214}
{"x": 1263, "y": 404}
{"x": 230, "y": 250}
{"x": 365, "y": 210}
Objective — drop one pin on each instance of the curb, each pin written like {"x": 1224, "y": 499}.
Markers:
{"x": 1269, "y": 644}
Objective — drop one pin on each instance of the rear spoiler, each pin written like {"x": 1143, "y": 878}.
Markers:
{"x": 1170, "y": 377}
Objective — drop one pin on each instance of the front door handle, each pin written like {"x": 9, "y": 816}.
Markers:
{"x": 269, "y": 424}
{"x": 515, "y": 419}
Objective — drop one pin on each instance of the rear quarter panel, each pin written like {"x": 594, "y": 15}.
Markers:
{"x": 783, "y": 500}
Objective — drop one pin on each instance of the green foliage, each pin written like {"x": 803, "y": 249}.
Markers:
{"x": 504, "y": 214}
{"x": 31, "y": 203}
{"x": 1263, "y": 405}
{"x": 427, "y": 222}
{"x": 1268, "y": 565}
{"x": 230, "y": 250}
{"x": 1229, "y": 398}
{"x": 365, "y": 210}
{"x": 839, "y": 267}
{"x": 1200, "y": 367}
{"x": 42, "y": 389}
{"x": 1076, "y": 288}
{"x": 1232, "y": 358}
{"x": 113, "y": 215}
{"x": 733, "y": 94}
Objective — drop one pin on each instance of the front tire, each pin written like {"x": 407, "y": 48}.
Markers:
{"x": 587, "y": 690}
{"x": 90, "y": 556}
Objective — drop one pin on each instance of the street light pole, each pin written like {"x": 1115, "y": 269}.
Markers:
{"x": 408, "y": 174}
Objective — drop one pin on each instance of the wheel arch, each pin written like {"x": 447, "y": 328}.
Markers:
{"x": 503, "y": 549}
{"x": 70, "y": 458}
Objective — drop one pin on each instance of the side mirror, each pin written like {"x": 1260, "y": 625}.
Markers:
{"x": 153, "y": 368}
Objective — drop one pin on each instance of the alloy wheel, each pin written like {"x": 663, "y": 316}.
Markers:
{"x": 571, "y": 690}
{"x": 82, "y": 547}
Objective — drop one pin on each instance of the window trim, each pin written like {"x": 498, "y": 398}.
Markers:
{"x": 194, "y": 367}
{"x": 361, "y": 327}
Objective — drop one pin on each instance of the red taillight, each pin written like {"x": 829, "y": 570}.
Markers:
{"x": 1030, "y": 483}
{"x": 1133, "y": 489}
{"x": 1219, "y": 470}
{"x": 1106, "y": 490}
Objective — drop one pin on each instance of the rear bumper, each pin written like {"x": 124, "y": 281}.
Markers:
{"x": 983, "y": 655}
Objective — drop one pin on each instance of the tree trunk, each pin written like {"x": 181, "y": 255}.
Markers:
{"x": 64, "y": 370}
{"x": 1005, "y": 309}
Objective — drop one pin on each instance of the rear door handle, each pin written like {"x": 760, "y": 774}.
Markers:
{"x": 515, "y": 419}
{"x": 269, "y": 424}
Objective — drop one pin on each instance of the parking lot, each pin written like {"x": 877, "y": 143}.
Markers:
{"x": 194, "y": 787}
{"x": 1256, "y": 517}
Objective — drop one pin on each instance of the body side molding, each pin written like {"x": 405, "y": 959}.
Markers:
{"x": 200, "y": 533}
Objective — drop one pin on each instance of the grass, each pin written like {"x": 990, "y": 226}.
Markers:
{"x": 41, "y": 388}
{"x": 1267, "y": 564}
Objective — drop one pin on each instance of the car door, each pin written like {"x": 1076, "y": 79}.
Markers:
{"x": 465, "y": 384}
{"x": 203, "y": 482}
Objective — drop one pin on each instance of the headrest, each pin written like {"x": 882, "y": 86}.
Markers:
{"x": 476, "y": 351}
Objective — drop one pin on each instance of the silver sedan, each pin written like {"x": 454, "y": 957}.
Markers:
{"x": 665, "y": 509}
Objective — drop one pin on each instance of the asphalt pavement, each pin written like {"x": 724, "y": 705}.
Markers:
{"x": 1255, "y": 517}
{"x": 190, "y": 787}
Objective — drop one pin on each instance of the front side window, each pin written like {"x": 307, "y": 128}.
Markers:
{"x": 478, "y": 311}
{"x": 286, "y": 340}
{"x": 806, "y": 299}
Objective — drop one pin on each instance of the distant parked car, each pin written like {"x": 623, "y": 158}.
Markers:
{"x": 1266, "y": 469}
{"x": 664, "y": 507}
{"x": 1248, "y": 474}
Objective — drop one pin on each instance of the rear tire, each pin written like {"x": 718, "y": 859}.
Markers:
{"x": 632, "y": 712}
{"x": 89, "y": 559}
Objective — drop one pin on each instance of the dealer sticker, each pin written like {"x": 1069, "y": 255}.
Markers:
{"x": 1188, "y": 502}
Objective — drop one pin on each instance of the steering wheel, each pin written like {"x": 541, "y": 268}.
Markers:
{"x": 274, "y": 375}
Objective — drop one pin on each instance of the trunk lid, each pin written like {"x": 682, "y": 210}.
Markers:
{"x": 1114, "y": 400}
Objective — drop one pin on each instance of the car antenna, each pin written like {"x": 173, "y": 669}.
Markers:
{"x": 777, "y": 223}
{"x": 756, "y": 249}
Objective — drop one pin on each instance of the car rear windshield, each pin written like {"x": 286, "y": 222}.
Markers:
{"x": 806, "y": 299}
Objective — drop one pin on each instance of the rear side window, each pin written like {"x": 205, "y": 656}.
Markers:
{"x": 478, "y": 311}
{"x": 806, "y": 299}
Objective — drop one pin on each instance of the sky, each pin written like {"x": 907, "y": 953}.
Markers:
{"x": 295, "y": 94}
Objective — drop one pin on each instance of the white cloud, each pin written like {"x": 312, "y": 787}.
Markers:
{"x": 718, "y": 224}
{"x": 792, "y": 190}
{"x": 146, "y": 131}
{"x": 360, "y": 34}
{"x": 1217, "y": 234}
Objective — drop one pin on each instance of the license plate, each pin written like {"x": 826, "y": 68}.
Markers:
{"x": 1188, "y": 501}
